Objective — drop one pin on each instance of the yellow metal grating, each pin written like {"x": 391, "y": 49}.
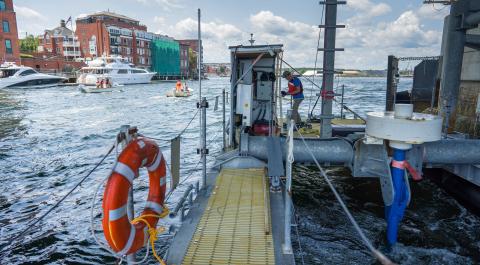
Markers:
{"x": 235, "y": 227}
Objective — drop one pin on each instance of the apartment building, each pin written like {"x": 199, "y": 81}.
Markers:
{"x": 9, "y": 45}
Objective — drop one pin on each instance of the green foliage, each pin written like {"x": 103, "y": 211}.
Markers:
{"x": 29, "y": 44}
{"x": 192, "y": 62}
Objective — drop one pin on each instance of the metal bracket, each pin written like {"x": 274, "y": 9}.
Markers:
{"x": 333, "y": 2}
{"x": 371, "y": 160}
{"x": 331, "y": 50}
{"x": 332, "y": 27}
{"x": 243, "y": 144}
{"x": 203, "y": 104}
{"x": 202, "y": 151}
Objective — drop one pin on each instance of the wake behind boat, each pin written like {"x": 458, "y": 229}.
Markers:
{"x": 13, "y": 76}
{"x": 117, "y": 68}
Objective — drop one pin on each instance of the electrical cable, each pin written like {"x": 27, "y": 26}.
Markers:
{"x": 316, "y": 60}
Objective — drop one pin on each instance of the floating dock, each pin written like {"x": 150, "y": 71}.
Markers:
{"x": 231, "y": 222}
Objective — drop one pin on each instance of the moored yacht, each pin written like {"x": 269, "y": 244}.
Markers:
{"x": 13, "y": 76}
{"x": 120, "y": 71}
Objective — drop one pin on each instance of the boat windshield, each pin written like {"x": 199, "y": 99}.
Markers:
{"x": 96, "y": 71}
{"x": 4, "y": 73}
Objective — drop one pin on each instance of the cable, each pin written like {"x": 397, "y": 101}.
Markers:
{"x": 343, "y": 105}
{"x": 316, "y": 60}
{"x": 32, "y": 224}
{"x": 376, "y": 253}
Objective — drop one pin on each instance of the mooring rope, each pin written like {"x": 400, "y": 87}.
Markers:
{"x": 376, "y": 253}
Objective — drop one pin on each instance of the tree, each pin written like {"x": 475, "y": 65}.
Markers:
{"x": 192, "y": 62}
{"x": 29, "y": 44}
{"x": 222, "y": 69}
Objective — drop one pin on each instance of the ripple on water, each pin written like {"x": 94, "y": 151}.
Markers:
{"x": 50, "y": 138}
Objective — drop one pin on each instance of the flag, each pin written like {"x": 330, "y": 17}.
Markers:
{"x": 69, "y": 20}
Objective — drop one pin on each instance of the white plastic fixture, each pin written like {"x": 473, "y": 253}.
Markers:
{"x": 403, "y": 127}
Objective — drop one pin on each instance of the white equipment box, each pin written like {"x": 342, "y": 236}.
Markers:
{"x": 244, "y": 103}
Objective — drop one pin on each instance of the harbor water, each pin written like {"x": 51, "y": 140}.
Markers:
{"x": 51, "y": 138}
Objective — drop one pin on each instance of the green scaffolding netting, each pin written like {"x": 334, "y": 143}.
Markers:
{"x": 165, "y": 57}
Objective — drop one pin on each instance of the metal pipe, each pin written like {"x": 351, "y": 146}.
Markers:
{"x": 328, "y": 66}
{"x": 331, "y": 150}
{"x": 203, "y": 130}
{"x": 473, "y": 19}
{"x": 223, "y": 121}
{"x": 199, "y": 59}
{"x": 452, "y": 151}
{"x": 181, "y": 202}
{"x": 287, "y": 243}
{"x": 453, "y": 50}
{"x": 343, "y": 97}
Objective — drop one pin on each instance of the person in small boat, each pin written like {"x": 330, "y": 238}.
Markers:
{"x": 295, "y": 89}
{"x": 179, "y": 86}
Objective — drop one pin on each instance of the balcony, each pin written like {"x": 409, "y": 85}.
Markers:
{"x": 72, "y": 44}
{"x": 72, "y": 53}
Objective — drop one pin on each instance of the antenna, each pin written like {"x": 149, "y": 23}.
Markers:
{"x": 251, "y": 39}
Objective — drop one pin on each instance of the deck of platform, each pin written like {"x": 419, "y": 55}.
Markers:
{"x": 235, "y": 227}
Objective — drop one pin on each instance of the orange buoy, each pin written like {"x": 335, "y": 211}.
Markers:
{"x": 122, "y": 236}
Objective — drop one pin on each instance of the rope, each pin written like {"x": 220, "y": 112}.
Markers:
{"x": 178, "y": 135}
{"x": 153, "y": 232}
{"x": 376, "y": 253}
{"x": 34, "y": 223}
{"x": 316, "y": 60}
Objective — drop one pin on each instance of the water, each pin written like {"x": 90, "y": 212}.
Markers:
{"x": 50, "y": 138}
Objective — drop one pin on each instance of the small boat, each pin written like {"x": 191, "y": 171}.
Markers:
{"x": 180, "y": 91}
{"x": 13, "y": 76}
{"x": 179, "y": 94}
{"x": 103, "y": 84}
{"x": 120, "y": 70}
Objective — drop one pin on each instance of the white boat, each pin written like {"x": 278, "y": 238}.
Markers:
{"x": 118, "y": 69}
{"x": 93, "y": 89}
{"x": 13, "y": 76}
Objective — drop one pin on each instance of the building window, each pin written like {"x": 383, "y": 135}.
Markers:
{"x": 6, "y": 26}
{"x": 8, "y": 46}
{"x": 2, "y": 5}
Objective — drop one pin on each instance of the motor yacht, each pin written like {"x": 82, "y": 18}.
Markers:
{"x": 13, "y": 76}
{"x": 118, "y": 69}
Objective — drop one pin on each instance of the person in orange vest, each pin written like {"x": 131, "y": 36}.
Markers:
{"x": 179, "y": 86}
{"x": 295, "y": 89}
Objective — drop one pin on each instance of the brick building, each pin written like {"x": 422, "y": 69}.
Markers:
{"x": 184, "y": 60}
{"x": 9, "y": 46}
{"x": 61, "y": 42}
{"x": 108, "y": 33}
{"x": 185, "y": 45}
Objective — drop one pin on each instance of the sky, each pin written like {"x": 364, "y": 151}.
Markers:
{"x": 374, "y": 29}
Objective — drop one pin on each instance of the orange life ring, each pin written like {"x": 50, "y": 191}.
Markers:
{"x": 122, "y": 236}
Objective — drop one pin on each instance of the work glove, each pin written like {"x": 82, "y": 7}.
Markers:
{"x": 283, "y": 93}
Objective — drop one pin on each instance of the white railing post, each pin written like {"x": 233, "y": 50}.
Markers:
{"x": 287, "y": 244}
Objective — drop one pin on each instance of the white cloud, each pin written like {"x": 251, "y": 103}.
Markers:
{"x": 369, "y": 9}
{"x": 216, "y": 36}
{"x": 367, "y": 43}
{"x": 166, "y": 5}
{"x": 433, "y": 12}
{"x": 28, "y": 13}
